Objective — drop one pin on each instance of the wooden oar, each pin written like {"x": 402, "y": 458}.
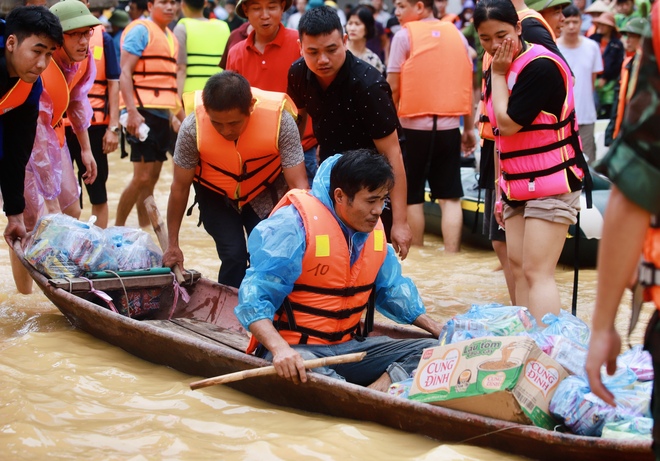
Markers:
{"x": 270, "y": 370}
{"x": 161, "y": 231}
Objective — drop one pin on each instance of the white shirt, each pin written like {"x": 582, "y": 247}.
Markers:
{"x": 584, "y": 60}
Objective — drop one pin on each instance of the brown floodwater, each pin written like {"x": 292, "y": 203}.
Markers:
{"x": 67, "y": 395}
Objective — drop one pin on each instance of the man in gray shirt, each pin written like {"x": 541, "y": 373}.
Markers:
{"x": 240, "y": 148}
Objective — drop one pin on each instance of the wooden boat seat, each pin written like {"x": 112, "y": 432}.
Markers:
{"x": 81, "y": 285}
{"x": 204, "y": 331}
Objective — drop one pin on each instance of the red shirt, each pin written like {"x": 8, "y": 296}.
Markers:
{"x": 269, "y": 70}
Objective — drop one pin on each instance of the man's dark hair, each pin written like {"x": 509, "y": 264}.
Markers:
{"x": 25, "y": 21}
{"x": 360, "y": 169}
{"x": 142, "y": 5}
{"x": 319, "y": 21}
{"x": 227, "y": 90}
{"x": 571, "y": 11}
{"x": 195, "y": 5}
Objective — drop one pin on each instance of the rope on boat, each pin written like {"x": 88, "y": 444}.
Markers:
{"x": 128, "y": 304}
{"x": 517, "y": 426}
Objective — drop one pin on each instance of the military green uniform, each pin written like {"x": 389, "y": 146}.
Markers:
{"x": 633, "y": 164}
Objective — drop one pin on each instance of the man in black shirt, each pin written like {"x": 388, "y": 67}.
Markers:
{"x": 350, "y": 103}
{"x": 31, "y": 35}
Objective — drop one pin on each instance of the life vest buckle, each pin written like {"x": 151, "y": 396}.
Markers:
{"x": 496, "y": 131}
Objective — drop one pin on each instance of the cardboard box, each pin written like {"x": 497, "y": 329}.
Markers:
{"x": 504, "y": 377}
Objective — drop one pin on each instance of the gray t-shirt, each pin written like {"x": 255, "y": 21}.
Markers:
{"x": 186, "y": 156}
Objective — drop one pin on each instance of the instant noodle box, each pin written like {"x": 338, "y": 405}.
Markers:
{"x": 504, "y": 377}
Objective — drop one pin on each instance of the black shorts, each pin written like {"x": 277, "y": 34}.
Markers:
{"x": 154, "y": 148}
{"x": 97, "y": 192}
{"x": 441, "y": 167}
{"x": 652, "y": 344}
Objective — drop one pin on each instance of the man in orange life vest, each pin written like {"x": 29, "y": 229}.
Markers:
{"x": 67, "y": 79}
{"x": 317, "y": 264}
{"x": 31, "y": 36}
{"x": 430, "y": 100}
{"x": 631, "y": 226}
{"x": 240, "y": 148}
{"x": 148, "y": 91}
{"x": 104, "y": 130}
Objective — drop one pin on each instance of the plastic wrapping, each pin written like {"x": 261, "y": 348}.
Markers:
{"x": 568, "y": 354}
{"x": 133, "y": 248}
{"x": 629, "y": 429}
{"x": 568, "y": 326}
{"x": 639, "y": 361}
{"x": 80, "y": 110}
{"x": 65, "y": 247}
{"x": 485, "y": 320}
{"x": 586, "y": 414}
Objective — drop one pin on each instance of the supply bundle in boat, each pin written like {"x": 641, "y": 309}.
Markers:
{"x": 62, "y": 246}
{"x": 507, "y": 378}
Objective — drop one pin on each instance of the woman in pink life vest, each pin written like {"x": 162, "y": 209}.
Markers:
{"x": 540, "y": 166}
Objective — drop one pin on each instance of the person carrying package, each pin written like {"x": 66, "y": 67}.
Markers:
{"x": 149, "y": 93}
{"x": 31, "y": 36}
{"x": 240, "y": 149}
{"x": 631, "y": 226}
{"x": 317, "y": 264}
{"x": 50, "y": 177}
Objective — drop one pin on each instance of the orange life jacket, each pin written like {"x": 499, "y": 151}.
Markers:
{"x": 329, "y": 297}
{"x": 58, "y": 90}
{"x": 450, "y": 18}
{"x": 242, "y": 170}
{"x": 16, "y": 96}
{"x": 530, "y": 13}
{"x": 431, "y": 43}
{"x": 154, "y": 76}
{"x": 649, "y": 275}
{"x": 623, "y": 91}
{"x": 485, "y": 127}
{"x": 98, "y": 94}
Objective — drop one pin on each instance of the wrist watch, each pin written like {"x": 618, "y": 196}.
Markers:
{"x": 114, "y": 129}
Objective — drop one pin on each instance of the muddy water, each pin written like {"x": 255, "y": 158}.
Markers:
{"x": 66, "y": 395}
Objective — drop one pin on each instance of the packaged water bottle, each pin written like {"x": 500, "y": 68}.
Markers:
{"x": 143, "y": 131}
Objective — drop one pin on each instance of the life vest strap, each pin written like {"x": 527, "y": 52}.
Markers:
{"x": 534, "y": 174}
{"x": 343, "y": 292}
{"x": 341, "y": 314}
{"x": 154, "y": 72}
{"x": 203, "y": 55}
{"x": 549, "y": 126}
{"x": 330, "y": 337}
{"x": 164, "y": 58}
{"x": 483, "y": 118}
{"x": 648, "y": 274}
{"x": 155, "y": 88}
{"x": 101, "y": 82}
{"x": 535, "y": 150}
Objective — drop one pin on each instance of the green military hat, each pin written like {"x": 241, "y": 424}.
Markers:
{"x": 639, "y": 26}
{"x": 73, "y": 14}
{"x": 540, "y": 5}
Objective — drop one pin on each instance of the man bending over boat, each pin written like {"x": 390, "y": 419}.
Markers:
{"x": 241, "y": 150}
{"x": 317, "y": 264}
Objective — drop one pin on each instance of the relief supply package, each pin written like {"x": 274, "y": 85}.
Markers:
{"x": 506, "y": 377}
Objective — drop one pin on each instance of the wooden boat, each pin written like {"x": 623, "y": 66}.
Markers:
{"x": 472, "y": 203}
{"x": 203, "y": 338}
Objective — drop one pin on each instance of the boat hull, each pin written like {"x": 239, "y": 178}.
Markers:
{"x": 212, "y": 304}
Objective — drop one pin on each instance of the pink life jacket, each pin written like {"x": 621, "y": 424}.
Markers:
{"x": 535, "y": 162}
